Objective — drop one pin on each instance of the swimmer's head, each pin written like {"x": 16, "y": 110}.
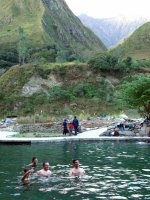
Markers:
{"x": 34, "y": 160}
{"x": 76, "y": 163}
{"x": 46, "y": 166}
{"x": 26, "y": 170}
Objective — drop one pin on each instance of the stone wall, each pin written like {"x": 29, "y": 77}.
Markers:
{"x": 39, "y": 128}
{"x": 56, "y": 127}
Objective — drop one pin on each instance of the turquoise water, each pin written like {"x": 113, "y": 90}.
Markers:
{"x": 114, "y": 170}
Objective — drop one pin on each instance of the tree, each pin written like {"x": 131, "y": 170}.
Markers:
{"x": 128, "y": 61}
{"x": 22, "y": 46}
{"x": 137, "y": 94}
{"x": 103, "y": 62}
{"x": 119, "y": 52}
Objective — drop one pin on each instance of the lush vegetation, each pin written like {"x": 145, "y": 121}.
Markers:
{"x": 48, "y": 86}
{"x": 112, "y": 62}
{"x": 77, "y": 91}
{"x": 77, "y": 88}
{"x": 136, "y": 94}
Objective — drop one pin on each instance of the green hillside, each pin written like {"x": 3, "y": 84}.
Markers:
{"x": 24, "y": 13}
{"x": 63, "y": 89}
{"x": 46, "y": 22}
{"x": 137, "y": 45}
{"x": 56, "y": 89}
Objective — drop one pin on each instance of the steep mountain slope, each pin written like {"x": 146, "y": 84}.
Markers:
{"x": 47, "y": 22}
{"x": 138, "y": 44}
{"x": 25, "y": 13}
{"x": 112, "y": 30}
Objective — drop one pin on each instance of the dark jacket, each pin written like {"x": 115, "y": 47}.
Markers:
{"x": 75, "y": 122}
{"x": 65, "y": 124}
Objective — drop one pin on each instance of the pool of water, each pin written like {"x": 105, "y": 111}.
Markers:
{"x": 114, "y": 170}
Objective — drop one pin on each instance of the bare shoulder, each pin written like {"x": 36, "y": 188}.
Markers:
{"x": 70, "y": 172}
{"x": 82, "y": 170}
{"x": 40, "y": 172}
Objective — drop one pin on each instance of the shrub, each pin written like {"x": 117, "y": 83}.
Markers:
{"x": 103, "y": 62}
{"x": 41, "y": 72}
{"x": 28, "y": 108}
{"x": 10, "y": 56}
{"x": 136, "y": 94}
{"x": 68, "y": 111}
{"x": 58, "y": 93}
{"x": 84, "y": 90}
{"x": 45, "y": 55}
{"x": 2, "y": 96}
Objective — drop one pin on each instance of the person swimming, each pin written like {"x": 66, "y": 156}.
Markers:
{"x": 45, "y": 172}
{"x": 33, "y": 163}
{"x": 26, "y": 177}
{"x": 76, "y": 170}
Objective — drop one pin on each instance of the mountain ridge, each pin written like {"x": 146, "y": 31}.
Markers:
{"x": 137, "y": 45}
{"x": 112, "y": 30}
{"x": 47, "y": 22}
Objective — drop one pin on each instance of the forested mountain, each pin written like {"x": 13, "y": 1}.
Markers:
{"x": 47, "y": 23}
{"x": 112, "y": 30}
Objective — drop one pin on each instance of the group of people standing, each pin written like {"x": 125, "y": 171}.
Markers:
{"x": 71, "y": 127}
{"x": 45, "y": 171}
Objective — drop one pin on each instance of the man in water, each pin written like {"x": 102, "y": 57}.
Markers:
{"x": 45, "y": 171}
{"x": 76, "y": 170}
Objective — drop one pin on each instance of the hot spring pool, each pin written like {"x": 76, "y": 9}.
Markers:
{"x": 114, "y": 170}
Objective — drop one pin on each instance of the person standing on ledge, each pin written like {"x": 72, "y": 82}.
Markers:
{"x": 75, "y": 124}
{"x": 71, "y": 128}
{"x": 76, "y": 170}
{"x": 65, "y": 127}
{"x": 45, "y": 172}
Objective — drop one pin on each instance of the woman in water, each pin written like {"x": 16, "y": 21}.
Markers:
{"x": 34, "y": 163}
{"x": 26, "y": 177}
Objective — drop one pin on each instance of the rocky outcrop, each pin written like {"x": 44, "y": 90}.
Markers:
{"x": 37, "y": 84}
{"x": 2, "y": 71}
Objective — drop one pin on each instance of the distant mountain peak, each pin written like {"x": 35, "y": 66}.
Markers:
{"x": 112, "y": 30}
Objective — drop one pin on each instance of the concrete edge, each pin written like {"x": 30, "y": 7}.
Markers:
{"x": 71, "y": 139}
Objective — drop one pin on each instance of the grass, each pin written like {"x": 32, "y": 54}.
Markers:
{"x": 42, "y": 118}
{"x": 35, "y": 135}
{"x": 137, "y": 45}
{"x": 13, "y": 80}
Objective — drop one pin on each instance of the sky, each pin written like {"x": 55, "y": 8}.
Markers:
{"x": 110, "y": 8}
